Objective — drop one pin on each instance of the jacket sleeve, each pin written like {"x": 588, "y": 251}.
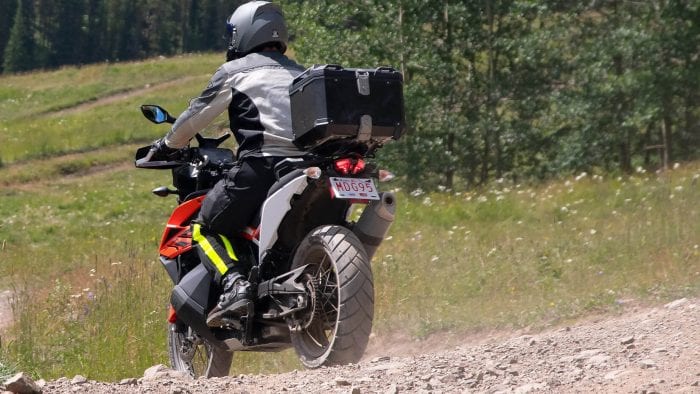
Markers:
{"x": 202, "y": 110}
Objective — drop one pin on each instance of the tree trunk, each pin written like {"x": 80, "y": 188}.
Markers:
{"x": 450, "y": 170}
{"x": 666, "y": 134}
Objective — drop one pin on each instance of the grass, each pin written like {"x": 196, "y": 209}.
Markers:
{"x": 32, "y": 128}
{"x": 34, "y": 94}
{"x": 79, "y": 232}
{"x": 6, "y": 371}
{"x": 516, "y": 256}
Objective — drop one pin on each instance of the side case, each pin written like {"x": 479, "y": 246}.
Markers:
{"x": 331, "y": 102}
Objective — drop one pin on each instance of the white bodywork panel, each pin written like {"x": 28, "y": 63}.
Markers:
{"x": 273, "y": 211}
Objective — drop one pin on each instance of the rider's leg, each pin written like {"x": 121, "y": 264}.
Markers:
{"x": 228, "y": 208}
{"x": 218, "y": 254}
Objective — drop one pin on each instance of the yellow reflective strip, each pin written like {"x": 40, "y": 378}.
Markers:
{"x": 208, "y": 249}
{"x": 229, "y": 248}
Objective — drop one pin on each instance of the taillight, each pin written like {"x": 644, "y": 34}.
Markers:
{"x": 349, "y": 166}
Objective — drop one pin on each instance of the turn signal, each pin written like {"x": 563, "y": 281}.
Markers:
{"x": 385, "y": 176}
{"x": 313, "y": 172}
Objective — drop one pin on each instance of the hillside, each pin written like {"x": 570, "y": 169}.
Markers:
{"x": 79, "y": 229}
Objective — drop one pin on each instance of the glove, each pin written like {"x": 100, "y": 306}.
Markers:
{"x": 162, "y": 152}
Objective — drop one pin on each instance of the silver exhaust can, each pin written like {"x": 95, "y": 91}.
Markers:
{"x": 375, "y": 221}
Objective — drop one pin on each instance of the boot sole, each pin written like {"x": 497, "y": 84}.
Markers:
{"x": 229, "y": 316}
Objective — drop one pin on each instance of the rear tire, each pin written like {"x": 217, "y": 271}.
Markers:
{"x": 194, "y": 356}
{"x": 337, "y": 328}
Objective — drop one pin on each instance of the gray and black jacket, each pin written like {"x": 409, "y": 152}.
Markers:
{"x": 255, "y": 90}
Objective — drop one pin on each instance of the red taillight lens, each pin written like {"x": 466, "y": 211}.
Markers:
{"x": 349, "y": 166}
{"x": 343, "y": 166}
{"x": 359, "y": 166}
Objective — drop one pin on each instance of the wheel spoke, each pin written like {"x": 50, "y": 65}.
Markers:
{"x": 317, "y": 342}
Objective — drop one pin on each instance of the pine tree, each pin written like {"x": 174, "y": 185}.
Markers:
{"x": 19, "y": 53}
{"x": 95, "y": 43}
{"x": 9, "y": 7}
{"x": 67, "y": 37}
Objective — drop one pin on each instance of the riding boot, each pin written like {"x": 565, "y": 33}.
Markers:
{"x": 233, "y": 302}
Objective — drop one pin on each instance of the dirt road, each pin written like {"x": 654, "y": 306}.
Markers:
{"x": 643, "y": 350}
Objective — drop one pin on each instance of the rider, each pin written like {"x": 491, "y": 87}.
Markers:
{"x": 253, "y": 85}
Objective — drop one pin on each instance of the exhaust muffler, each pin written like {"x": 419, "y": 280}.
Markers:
{"x": 375, "y": 221}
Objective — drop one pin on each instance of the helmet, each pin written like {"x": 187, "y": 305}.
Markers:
{"x": 254, "y": 24}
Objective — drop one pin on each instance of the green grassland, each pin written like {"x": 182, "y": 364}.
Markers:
{"x": 79, "y": 231}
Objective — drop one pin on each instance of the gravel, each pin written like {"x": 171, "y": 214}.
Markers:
{"x": 643, "y": 350}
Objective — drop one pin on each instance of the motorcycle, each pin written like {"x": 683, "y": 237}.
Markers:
{"x": 310, "y": 262}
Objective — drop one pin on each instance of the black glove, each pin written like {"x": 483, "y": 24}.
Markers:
{"x": 162, "y": 152}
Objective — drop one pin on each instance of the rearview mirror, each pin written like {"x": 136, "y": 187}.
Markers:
{"x": 156, "y": 114}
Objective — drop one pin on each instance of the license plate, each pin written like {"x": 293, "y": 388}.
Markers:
{"x": 354, "y": 188}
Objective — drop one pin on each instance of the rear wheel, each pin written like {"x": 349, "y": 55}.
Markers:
{"x": 335, "y": 327}
{"x": 191, "y": 354}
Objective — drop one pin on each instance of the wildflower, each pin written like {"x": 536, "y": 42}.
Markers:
{"x": 434, "y": 259}
{"x": 593, "y": 231}
{"x": 569, "y": 261}
{"x": 641, "y": 170}
{"x": 441, "y": 188}
{"x": 482, "y": 199}
{"x": 676, "y": 166}
{"x": 564, "y": 209}
{"x": 491, "y": 252}
{"x": 581, "y": 176}
{"x": 427, "y": 201}
{"x": 417, "y": 192}
{"x": 518, "y": 239}
{"x": 499, "y": 198}
{"x": 679, "y": 188}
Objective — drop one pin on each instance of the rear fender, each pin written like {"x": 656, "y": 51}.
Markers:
{"x": 274, "y": 209}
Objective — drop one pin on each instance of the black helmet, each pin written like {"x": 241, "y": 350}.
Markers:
{"x": 255, "y": 24}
